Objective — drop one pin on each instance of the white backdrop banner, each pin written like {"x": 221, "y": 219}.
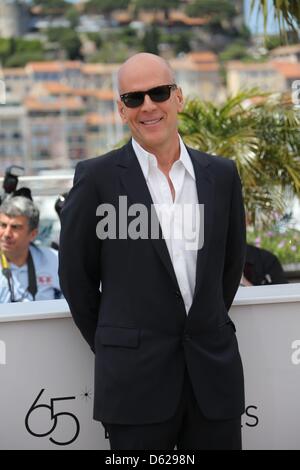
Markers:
{"x": 46, "y": 374}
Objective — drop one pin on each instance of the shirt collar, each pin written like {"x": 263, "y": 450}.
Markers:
{"x": 146, "y": 158}
{"x": 186, "y": 159}
{"x": 19, "y": 269}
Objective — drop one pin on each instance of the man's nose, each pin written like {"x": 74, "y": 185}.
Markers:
{"x": 148, "y": 104}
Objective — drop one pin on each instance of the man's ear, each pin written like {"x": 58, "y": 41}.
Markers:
{"x": 33, "y": 234}
{"x": 180, "y": 100}
{"x": 122, "y": 111}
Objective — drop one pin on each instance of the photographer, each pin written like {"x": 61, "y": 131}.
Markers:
{"x": 28, "y": 272}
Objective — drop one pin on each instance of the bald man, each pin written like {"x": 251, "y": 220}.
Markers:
{"x": 151, "y": 255}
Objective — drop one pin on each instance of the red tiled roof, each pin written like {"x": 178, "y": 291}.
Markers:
{"x": 105, "y": 95}
{"x": 146, "y": 16}
{"x": 95, "y": 119}
{"x": 94, "y": 69}
{"x": 287, "y": 69}
{"x": 183, "y": 64}
{"x": 14, "y": 71}
{"x": 205, "y": 56}
{"x": 35, "y": 104}
{"x": 242, "y": 66}
{"x": 57, "y": 88}
{"x": 43, "y": 67}
{"x": 180, "y": 16}
{"x": 53, "y": 66}
{"x": 71, "y": 64}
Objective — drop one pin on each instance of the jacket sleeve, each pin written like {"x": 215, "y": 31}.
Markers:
{"x": 79, "y": 253}
{"x": 235, "y": 244}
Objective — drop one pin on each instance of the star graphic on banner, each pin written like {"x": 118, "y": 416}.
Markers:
{"x": 86, "y": 394}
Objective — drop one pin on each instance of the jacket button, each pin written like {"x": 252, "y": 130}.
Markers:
{"x": 186, "y": 338}
{"x": 178, "y": 294}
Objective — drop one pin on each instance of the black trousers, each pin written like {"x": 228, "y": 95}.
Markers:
{"x": 188, "y": 429}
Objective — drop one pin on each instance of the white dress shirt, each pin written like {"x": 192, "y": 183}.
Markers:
{"x": 177, "y": 226}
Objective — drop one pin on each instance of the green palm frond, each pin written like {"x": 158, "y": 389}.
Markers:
{"x": 286, "y": 13}
{"x": 261, "y": 135}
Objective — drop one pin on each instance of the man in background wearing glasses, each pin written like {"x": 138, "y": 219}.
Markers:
{"x": 168, "y": 371}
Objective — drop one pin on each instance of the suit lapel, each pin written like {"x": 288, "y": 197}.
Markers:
{"x": 205, "y": 190}
{"x": 137, "y": 190}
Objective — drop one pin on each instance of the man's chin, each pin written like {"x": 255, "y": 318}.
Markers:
{"x": 6, "y": 249}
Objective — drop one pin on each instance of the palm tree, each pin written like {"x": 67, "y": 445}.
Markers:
{"x": 260, "y": 132}
{"x": 287, "y": 12}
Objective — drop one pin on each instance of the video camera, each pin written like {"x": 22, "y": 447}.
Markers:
{"x": 10, "y": 183}
{"x": 60, "y": 202}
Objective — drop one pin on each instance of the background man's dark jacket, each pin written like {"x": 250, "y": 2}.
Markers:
{"x": 263, "y": 267}
{"x": 137, "y": 325}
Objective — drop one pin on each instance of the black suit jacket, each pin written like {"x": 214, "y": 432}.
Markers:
{"x": 137, "y": 325}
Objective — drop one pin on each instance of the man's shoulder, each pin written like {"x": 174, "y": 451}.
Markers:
{"x": 44, "y": 255}
{"x": 211, "y": 159}
{"x": 218, "y": 165}
{"x": 103, "y": 161}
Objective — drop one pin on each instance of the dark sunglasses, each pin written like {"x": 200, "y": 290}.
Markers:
{"x": 158, "y": 94}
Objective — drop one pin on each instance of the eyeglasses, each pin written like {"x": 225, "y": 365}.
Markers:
{"x": 158, "y": 94}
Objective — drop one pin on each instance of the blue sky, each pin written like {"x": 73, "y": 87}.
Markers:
{"x": 255, "y": 23}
